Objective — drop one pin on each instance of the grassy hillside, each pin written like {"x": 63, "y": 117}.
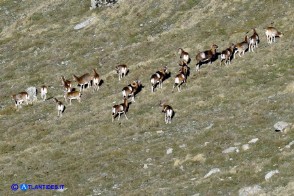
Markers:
{"x": 220, "y": 107}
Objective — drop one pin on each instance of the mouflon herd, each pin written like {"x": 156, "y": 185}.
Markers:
{"x": 93, "y": 80}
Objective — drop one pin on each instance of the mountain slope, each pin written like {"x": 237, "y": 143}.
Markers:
{"x": 220, "y": 107}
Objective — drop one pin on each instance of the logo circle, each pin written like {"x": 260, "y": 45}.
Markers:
{"x": 23, "y": 187}
{"x": 14, "y": 187}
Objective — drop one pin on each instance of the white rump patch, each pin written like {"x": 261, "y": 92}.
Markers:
{"x": 169, "y": 113}
{"x": 152, "y": 81}
{"x": 124, "y": 93}
{"x": 60, "y": 107}
{"x": 202, "y": 55}
{"x": 223, "y": 56}
{"x": 43, "y": 90}
{"x": 186, "y": 58}
{"x": 124, "y": 70}
{"x": 95, "y": 80}
{"x": 113, "y": 110}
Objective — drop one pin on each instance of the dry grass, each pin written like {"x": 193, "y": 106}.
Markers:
{"x": 218, "y": 108}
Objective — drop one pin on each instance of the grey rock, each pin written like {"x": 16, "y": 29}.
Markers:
{"x": 281, "y": 126}
{"x": 253, "y": 141}
{"x": 251, "y": 190}
{"x": 100, "y": 3}
{"x": 169, "y": 151}
{"x": 270, "y": 174}
{"x": 290, "y": 144}
{"x": 32, "y": 92}
{"x": 84, "y": 23}
{"x": 212, "y": 171}
{"x": 209, "y": 126}
{"x": 245, "y": 147}
{"x": 230, "y": 150}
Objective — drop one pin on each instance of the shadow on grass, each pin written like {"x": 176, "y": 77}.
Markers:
{"x": 101, "y": 82}
{"x": 214, "y": 58}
